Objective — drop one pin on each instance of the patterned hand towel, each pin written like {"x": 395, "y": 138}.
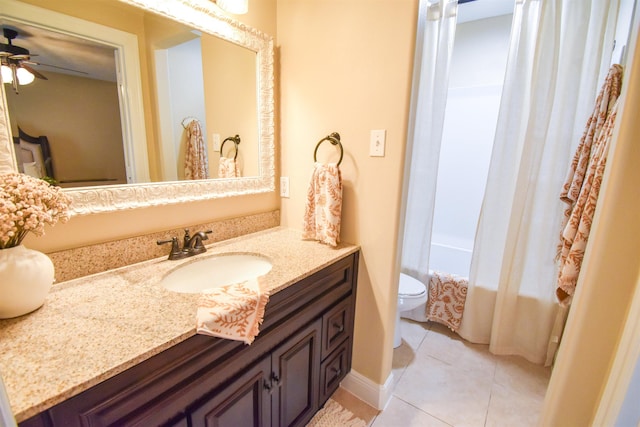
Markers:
{"x": 233, "y": 311}
{"x": 228, "y": 168}
{"x": 582, "y": 185}
{"x": 575, "y": 234}
{"x": 196, "y": 165}
{"x": 447, "y": 295}
{"x": 323, "y": 208}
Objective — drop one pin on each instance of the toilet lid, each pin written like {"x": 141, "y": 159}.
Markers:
{"x": 410, "y": 286}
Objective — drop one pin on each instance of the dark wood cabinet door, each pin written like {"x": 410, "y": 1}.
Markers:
{"x": 296, "y": 377}
{"x": 246, "y": 402}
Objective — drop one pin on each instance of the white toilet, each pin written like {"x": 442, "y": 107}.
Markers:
{"x": 411, "y": 294}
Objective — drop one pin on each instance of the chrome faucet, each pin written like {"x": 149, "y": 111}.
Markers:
{"x": 192, "y": 244}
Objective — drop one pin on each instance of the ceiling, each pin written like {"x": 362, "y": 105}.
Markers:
{"x": 77, "y": 56}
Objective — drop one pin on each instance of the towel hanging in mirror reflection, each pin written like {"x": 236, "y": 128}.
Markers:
{"x": 228, "y": 167}
{"x": 187, "y": 120}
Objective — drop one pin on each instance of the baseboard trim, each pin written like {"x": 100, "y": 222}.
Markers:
{"x": 363, "y": 388}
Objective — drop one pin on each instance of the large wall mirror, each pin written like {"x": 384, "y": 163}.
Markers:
{"x": 129, "y": 79}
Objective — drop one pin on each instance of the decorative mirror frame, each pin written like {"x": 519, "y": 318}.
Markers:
{"x": 205, "y": 16}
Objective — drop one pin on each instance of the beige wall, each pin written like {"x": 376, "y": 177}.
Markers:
{"x": 81, "y": 119}
{"x": 231, "y": 86}
{"x": 346, "y": 67}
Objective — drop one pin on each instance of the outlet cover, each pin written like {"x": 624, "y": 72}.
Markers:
{"x": 284, "y": 186}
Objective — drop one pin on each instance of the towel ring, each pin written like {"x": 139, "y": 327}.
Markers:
{"x": 236, "y": 142}
{"x": 334, "y": 139}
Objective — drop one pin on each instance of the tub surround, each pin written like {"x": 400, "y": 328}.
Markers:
{"x": 78, "y": 262}
{"x": 92, "y": 328}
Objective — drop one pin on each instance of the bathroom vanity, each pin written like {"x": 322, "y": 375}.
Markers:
{"x": 294, "y": 365}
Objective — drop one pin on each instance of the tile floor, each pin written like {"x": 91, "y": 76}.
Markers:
{"x": 442, "y": 380}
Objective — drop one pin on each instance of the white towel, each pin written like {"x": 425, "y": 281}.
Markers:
{"x": 228, "y": 168}
{"x": 323, "y": 208}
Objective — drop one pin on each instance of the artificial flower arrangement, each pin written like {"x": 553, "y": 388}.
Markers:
{"x": 26, "y": 205}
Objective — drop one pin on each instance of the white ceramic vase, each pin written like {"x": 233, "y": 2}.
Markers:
{"x": 26, "y": 276}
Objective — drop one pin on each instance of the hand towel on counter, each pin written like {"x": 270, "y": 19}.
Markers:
{"x": 447, "y": 296}
{"x": 196, "y": 165}
{"x": 228, "y": 168}
{"x": 233, "y": 311}
{"x": 323, "y": 208}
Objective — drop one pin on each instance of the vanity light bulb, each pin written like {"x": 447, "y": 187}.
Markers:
{"x": 7, "y": 75}
{"x": 24, "y": 76}
{"x": 237, "y": 7}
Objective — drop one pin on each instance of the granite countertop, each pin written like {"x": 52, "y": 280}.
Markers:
{"x": 95, "y": 327}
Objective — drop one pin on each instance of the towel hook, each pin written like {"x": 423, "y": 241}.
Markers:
{"x": 188, "y": 120}
{"x": 334, "y": 139}
{"x": 236, "y": 142}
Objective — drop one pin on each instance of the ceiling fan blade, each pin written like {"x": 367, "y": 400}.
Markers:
{"x": 21, "y": 57}
{"x": 55, "y": 66}
{"x": 32, "y": 71}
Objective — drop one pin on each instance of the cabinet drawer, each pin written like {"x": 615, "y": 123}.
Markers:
{"x": 333, "y": 370}
{"x": 336, "y": 326}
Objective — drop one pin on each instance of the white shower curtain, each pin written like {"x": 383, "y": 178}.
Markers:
{"x": 559, "y": 54}
{"x": 436, "y": 30}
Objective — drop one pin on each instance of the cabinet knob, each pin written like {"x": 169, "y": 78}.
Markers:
{"x": 339, "y": 326}
{"x": 267, "y": 386}
{"x": 276, "y": 379}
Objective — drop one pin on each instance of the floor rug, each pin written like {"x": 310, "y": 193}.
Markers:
{"x": 335, "y": 415}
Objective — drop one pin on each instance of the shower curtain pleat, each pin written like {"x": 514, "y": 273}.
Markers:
{"x": 433, "y": 48}
{"x": 554, "y": 66}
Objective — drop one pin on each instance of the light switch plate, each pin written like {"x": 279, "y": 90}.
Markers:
{"x": 284, "y": 186}
{"x": 216, "y": 141}
{"x": 377, "y": 142}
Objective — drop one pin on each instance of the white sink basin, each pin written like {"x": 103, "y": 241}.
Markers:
{"x": 217, "y": 270}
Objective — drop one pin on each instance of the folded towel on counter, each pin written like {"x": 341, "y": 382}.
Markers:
{"x": 447, "y": 295}
{"x": 228, "y": 168}
{"x": 233, "y": 311}
{"x": 323, "y": 208}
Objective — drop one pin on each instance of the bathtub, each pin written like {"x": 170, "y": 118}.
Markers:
{"x": 446, "y": 259}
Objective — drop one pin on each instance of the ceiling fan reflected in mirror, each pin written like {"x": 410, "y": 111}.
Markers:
{"x": 16, "y": 64}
